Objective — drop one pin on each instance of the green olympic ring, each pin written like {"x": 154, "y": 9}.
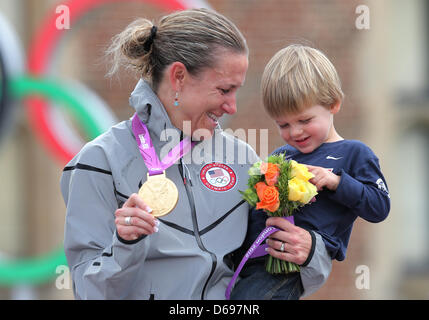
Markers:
{"x": 32, "y": 270}
{"x": 40, "y": 269}
{"x": 24, "y": 86}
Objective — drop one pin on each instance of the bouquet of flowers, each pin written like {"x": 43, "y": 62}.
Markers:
{"x": 279, "y": 186}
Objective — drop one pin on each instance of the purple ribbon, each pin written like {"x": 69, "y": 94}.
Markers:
{"x": 255, "y": 250}
{"x": 147, "y": 150}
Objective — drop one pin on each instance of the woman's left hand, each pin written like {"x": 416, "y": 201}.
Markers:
{"x": 297, "y": 241}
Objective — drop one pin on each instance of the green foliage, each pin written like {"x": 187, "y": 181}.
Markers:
{"x": 250, "y": 196}
{"x": 286, "y": 206}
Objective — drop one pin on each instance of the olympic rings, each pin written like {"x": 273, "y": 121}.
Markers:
{"x": 25, "y": 86}
{"x": 41, "y": 269}
{"x": 32, "y": 270}
{"x": 40, "y": 53}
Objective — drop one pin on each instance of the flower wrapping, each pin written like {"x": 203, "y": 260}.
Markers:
{"x": 279, "y": 186}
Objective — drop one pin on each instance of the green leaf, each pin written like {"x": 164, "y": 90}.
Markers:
{"x": 250, "y": 196}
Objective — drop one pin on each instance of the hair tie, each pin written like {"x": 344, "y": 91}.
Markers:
{"x": 149, "y": 41}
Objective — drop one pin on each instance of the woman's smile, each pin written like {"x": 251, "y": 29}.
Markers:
{"x": 205, "y": 98}
{"x": 213, "y": 118}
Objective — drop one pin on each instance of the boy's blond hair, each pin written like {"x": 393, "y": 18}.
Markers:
{"x": 298, "y": 77}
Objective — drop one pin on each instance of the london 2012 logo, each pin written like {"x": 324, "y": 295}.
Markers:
{"x": 218, "y": 176}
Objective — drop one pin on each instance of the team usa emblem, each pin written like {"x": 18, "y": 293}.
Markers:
{"x": 218, "y": 176}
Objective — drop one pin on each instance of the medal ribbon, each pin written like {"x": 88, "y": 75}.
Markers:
{"x": 147, "y": 150}
{"x": 255, "y": 250}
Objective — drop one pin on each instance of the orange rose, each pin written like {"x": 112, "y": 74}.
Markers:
{"x": 271, "y": 172}
{"x": 268, "y": 196}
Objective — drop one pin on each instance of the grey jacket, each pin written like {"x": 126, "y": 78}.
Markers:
{"x": 190, "y": 256}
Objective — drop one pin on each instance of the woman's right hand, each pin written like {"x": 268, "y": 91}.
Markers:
{"x": 134, "y": 219}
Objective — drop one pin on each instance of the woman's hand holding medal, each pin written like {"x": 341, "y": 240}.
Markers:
{"x": 134, "y": 219}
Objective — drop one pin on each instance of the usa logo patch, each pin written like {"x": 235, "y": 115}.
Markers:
{"x": 218, "y": 176}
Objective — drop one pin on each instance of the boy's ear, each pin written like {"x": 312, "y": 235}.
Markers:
{"x": 335, "y": 107}
{"x": 177, "y": 73}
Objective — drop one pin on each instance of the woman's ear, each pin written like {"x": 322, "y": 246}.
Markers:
{"x": 177, "y": 73}
{"x": 335, "y": 107}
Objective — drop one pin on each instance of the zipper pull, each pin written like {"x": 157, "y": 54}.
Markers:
{"x": 185, "y": 173}
{"x": 188, "y": 175}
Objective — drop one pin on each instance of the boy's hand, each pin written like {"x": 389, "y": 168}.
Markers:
{"x": 323, "y": 178}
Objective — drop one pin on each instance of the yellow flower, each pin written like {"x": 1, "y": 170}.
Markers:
{"x": 300, "y": 171}
{"x": 311, "y": 192}
{"x": 301, "y": 190}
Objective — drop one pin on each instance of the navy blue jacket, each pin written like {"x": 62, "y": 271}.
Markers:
{"x": 362, "y": 192}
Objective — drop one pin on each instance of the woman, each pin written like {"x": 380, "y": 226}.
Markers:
{"x": 192, "y": 63}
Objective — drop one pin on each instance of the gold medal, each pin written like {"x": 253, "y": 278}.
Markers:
{"x": 160, "y": 194}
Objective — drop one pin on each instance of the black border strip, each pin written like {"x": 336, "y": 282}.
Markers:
{"x": 120, "y": 194}
{"x": 86, "y": 167}
{"x": 129, "y": 241}
{"x": 177, "y": 227}
{"x": 313, "y": 246}
{"x": 214, "y": 224}
{"x": 206, "y": 229}
{"x": 107, "y": 254}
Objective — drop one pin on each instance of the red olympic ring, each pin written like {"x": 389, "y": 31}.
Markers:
{"x": 39, "y": 54}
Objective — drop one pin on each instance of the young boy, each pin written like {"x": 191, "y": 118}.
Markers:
{"x": 302, "y": 93}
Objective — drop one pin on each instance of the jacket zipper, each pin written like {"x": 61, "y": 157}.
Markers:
{"x": 188, "y": 183}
